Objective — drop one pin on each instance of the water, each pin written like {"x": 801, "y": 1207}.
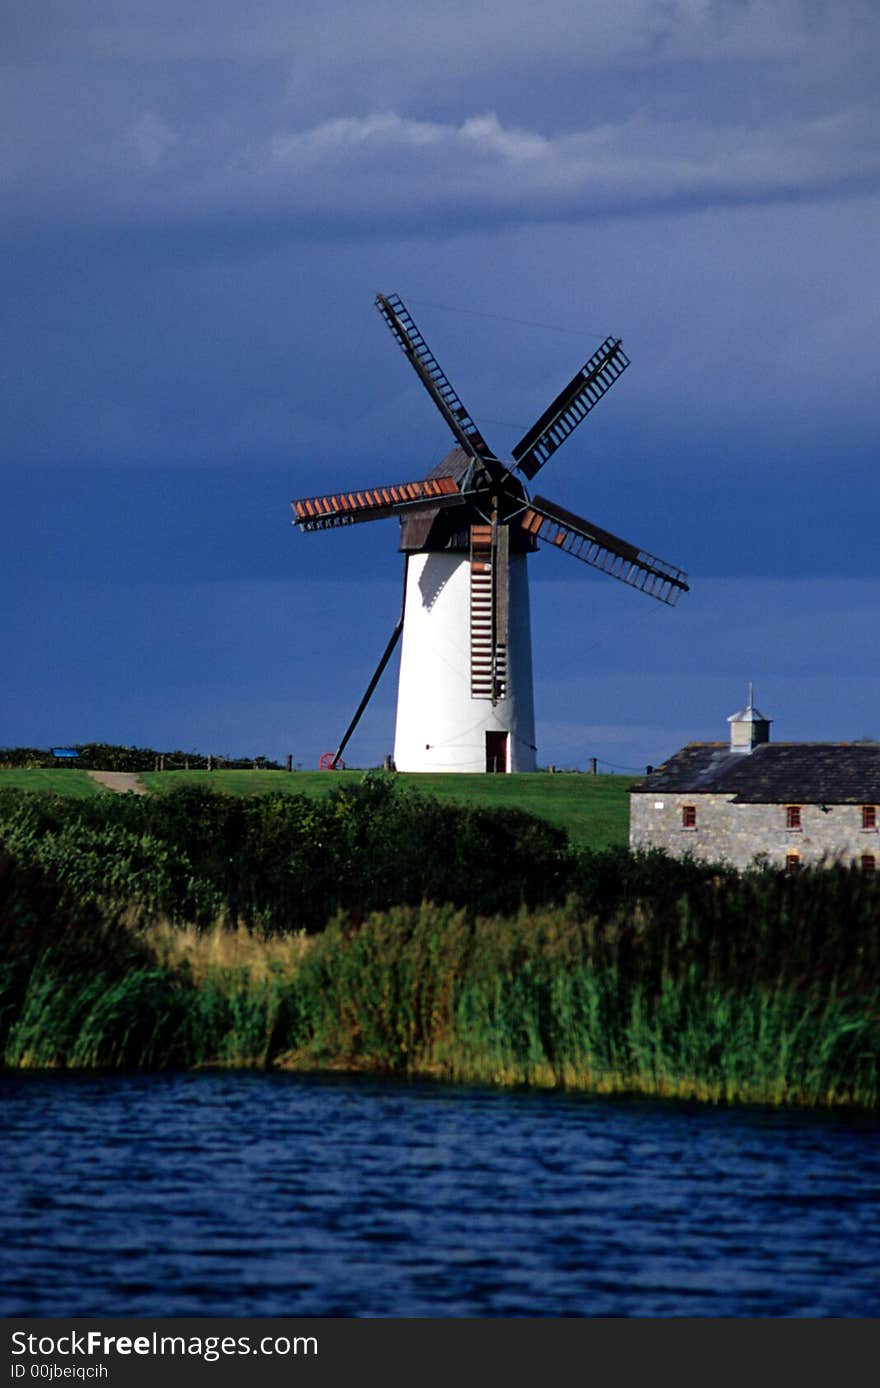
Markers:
{"x": 264, "y": 1195}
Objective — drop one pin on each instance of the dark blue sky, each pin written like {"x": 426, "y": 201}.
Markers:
{"x": 200, "y": 204}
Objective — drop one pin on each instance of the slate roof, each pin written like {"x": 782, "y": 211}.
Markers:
{"x": 799, "y": 773}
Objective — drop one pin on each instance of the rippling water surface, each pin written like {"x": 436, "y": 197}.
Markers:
{"x": 263, "y": 1195}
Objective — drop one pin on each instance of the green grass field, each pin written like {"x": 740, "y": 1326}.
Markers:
{"x": 67, "y": 782}
{"x": 593, "y": 809}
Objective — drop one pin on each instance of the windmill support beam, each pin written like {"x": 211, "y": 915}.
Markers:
{"x": 370, "y": 689}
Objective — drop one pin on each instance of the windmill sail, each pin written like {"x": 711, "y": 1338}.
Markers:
{"x": 572, "y": 405}
{"x": 553, "y": 524}
{"x": 433, "y": 378}
{"x": 349, "y": 508}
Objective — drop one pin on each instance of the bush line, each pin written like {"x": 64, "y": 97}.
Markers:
{"x": 652, "y": 977}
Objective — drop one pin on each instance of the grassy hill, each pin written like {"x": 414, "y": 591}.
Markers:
{"x": 593, "y": 809}
{"x": 67, "y": 781}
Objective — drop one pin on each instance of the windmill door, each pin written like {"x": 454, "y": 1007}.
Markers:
{"x": 496, "y": 751}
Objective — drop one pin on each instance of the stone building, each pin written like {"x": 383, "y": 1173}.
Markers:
{"x": 786, "y": 803}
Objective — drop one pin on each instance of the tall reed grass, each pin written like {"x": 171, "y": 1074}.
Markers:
{"x": 545, "y": 999}
{"x": 741, "y": 989}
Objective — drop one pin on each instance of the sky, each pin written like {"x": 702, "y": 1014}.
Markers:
{"x": 200, "y": 204}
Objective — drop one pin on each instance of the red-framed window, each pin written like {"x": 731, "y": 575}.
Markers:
{"x": 869, "y": 864}
{"x": 688, "y": 816}
{"x": 869, "y": 817}
{"x": 792, "y": 862}
{"x": 792, "y": 816}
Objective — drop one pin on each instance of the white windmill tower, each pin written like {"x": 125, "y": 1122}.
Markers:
{"x": 465, "y": 699}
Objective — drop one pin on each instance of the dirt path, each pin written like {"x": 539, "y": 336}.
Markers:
{"x": 120, "y": 781}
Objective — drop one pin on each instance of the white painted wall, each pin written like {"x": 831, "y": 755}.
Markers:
{"x": 439, "y": 726}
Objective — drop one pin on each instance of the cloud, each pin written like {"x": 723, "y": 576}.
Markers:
{"x": 413, "y": 41}
{"x": 384, "y": 170}
{"x": 342, "y": 117}
{"x": 380, "y": 133}
{"x": 150, "y": 139}
{"x": 200, "y": 202}
{"x": 384, "y": 160}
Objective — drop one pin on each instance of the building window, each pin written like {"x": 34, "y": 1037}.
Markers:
{"x": 792, "y": 816}
{"x": 792, "y": 862}
{"x": 869, "y": 865}
{"x": 688, "y": 816}
{"x": 869, "y": 817}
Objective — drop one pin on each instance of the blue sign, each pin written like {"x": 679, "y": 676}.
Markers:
{"x": 63, "y": 752}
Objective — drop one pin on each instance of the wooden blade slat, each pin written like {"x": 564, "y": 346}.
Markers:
{"x": 599, "y": 548}
{"x": 374, "y": 503}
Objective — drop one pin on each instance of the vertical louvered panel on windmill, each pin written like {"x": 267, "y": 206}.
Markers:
{"x": 488, "y": 634}
{"x": 481, "y": 612}
{"x": 501, "y": 583}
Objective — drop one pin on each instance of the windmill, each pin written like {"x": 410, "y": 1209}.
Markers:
{"x": 465, "y": 698}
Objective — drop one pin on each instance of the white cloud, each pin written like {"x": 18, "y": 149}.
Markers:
{"x": 385, "y": 169}
{"x": 150, "y": 139}
{"x": 400, "y": 112}
{"x": 381, "y": 132}
{"x": 352, "y": 136}
{"x": 489, "y": 137}
{"x": 610, "y": 167}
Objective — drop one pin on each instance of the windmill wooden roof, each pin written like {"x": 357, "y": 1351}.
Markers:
{"x": 837, "y": 773}
{"x": 429, "y": 527}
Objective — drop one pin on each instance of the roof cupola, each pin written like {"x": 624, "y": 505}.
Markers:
{"x": 748, "y": 728}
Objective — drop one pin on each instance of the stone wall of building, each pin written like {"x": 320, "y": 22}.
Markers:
{"x": 738, "y": 834}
